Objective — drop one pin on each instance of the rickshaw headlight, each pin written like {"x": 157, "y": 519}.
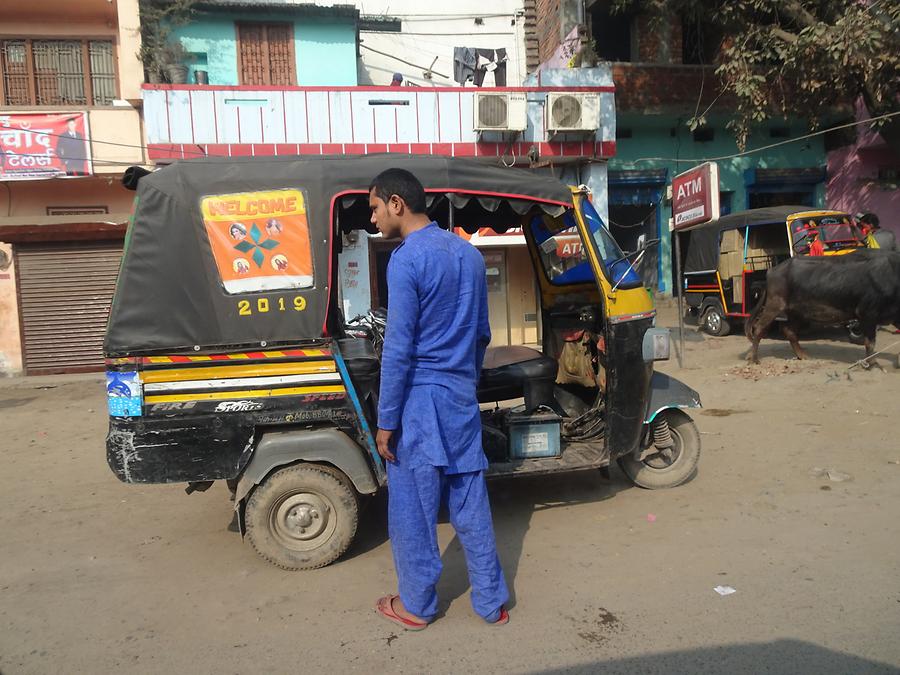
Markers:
{"x": 656, "y": 344}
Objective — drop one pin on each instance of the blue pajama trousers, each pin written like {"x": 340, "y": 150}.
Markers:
{"x": 414, "y": 497}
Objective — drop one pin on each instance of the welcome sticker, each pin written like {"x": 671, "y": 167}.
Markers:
{"x": 260, "y": 240}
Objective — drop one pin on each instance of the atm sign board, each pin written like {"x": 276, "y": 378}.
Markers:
{"x": 695, "y": 196}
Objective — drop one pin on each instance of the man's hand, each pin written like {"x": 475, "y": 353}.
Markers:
{"x": 382, "y": 443}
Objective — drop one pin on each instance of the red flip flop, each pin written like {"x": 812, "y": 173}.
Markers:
{"x": 385, "y": 608}
{"x": 503, "y": 619}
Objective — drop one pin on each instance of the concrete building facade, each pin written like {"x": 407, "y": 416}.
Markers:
{"x": 60, "y": 59}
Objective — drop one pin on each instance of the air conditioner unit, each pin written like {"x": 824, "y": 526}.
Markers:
{"x": 500, "y": 112}
{"x": 572, "y": 112}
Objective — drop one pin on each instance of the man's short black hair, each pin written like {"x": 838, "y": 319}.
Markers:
{"x": 402, "y": 183}
{"x": 872, "y": 220}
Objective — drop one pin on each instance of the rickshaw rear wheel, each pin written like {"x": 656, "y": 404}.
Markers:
{"x": 670, "y": 468}
{"x": 302, "y": 517}
{"x": 714, "y": 321}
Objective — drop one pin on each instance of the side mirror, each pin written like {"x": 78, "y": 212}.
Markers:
{"x": 641, "y": 241}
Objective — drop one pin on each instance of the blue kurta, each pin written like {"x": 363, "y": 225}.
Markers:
{"x": 437, "y": 332}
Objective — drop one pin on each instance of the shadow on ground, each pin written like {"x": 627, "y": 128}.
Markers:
{"x": 513, "y": 502}
{"x": 779, "y": 656}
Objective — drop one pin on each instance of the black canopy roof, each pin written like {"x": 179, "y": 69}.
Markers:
{"x": 170, "y": 294}
{"x": 703, "y": 243}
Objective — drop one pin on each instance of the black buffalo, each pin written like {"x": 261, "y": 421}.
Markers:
{"x": 863, "y": 286}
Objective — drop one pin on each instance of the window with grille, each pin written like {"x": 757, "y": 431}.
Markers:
{"x": 57, "y": 72}
{"x": 266, "y": 54}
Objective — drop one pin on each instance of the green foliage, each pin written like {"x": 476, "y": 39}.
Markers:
{"x": 158, "y": 18}
{"x": 797, "y": 57}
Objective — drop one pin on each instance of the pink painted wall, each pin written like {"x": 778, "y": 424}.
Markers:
{"x": 10, "y": 345}
{"x": 853, "y": 183}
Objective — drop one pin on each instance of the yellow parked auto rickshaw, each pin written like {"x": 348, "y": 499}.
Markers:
{"x": 229, "y": 359}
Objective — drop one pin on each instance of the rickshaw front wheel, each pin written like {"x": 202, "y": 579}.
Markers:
{"x": 302, "y": 517}
{"x": 669, "y": 467}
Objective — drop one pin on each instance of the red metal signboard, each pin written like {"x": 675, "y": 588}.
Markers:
{"x": 695, "y": 196}
{"x": 44, "y": 145}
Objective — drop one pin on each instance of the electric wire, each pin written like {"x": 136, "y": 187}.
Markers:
{"x": 202, "y": 153}
{"x": 771, "y": 145}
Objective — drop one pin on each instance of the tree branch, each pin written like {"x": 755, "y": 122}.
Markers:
{"x": 799, "y": 13}
{"x": 784, "y": 35}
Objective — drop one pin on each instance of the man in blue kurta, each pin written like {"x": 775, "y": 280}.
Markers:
{"x": 429, "y": 426}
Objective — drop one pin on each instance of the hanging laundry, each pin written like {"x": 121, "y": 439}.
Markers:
{"x": 464, "y": 62}
{"x": 500, "y": 71}
{"x": 472, "y": 64}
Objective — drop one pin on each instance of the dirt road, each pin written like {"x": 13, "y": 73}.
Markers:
{"x": 97, "y": 576}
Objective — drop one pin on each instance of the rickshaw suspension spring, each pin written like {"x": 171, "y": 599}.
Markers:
{"x": 662, "y": 435}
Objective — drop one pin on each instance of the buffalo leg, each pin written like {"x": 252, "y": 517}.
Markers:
{"x": 761, "y": 325}
{"x": 869, "y": 330}
{"x": 791, "y": 335}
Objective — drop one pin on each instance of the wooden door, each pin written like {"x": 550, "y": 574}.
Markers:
{"x": 266, "y": 54}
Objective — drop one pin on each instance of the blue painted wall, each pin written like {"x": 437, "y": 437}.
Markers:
{"x": 651, "y": 137}
{"x": 324, "y": 48}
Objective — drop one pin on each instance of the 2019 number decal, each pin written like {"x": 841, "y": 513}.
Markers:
{"x": 263, "y": 306}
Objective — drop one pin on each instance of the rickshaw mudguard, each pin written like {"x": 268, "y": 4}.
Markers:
{"x": 667, "y": 392}
{"x": 328, "y": 445}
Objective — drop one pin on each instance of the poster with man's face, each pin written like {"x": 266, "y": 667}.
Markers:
{"x": 44, "y": 145}
{"x": 260, "y": 240}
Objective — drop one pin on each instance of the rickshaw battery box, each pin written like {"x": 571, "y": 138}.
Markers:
{"x": 534, "y": 435}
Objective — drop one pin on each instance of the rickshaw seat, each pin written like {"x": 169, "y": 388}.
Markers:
{"x": 514, "y": 372}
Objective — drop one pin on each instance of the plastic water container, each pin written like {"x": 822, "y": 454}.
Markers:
{"x": 533, "y": 436}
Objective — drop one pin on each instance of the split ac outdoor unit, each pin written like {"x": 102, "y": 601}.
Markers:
{"x": 500, "y": 112}
{"x": 572, "y": 112}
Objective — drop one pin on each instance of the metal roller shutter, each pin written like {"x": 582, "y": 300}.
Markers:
{"x": 65, "y": 291}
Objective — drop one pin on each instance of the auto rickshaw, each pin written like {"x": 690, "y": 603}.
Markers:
{"x": 228, "y": 356}
{"x": 727, "y": 259}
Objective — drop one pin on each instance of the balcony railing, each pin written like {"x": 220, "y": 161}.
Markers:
{"x": 184, "y": 121}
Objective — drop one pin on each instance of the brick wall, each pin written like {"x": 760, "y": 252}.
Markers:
{"x": 654, "y": 88}
{"x": 547, "y": 26}
{"x": 532, "y": 44}
{"x": 657, "y": 41}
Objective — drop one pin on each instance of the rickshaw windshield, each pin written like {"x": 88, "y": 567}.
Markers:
{"x": 835, "y": 232}
{"x": 560, "y": 250}
{"x": 619, "y": 270}
{"x": 564, "y": 258}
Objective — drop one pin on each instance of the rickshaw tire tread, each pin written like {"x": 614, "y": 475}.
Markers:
{"x": 350, "y": 495}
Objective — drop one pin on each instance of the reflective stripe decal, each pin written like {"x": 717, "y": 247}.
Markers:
{"x": 285, "y": 353}
{"x": 186, "y": 385}
{"x": 249, "y": 394}
{"x": 256, "y": 370}
{"x": 632, "y": 317}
